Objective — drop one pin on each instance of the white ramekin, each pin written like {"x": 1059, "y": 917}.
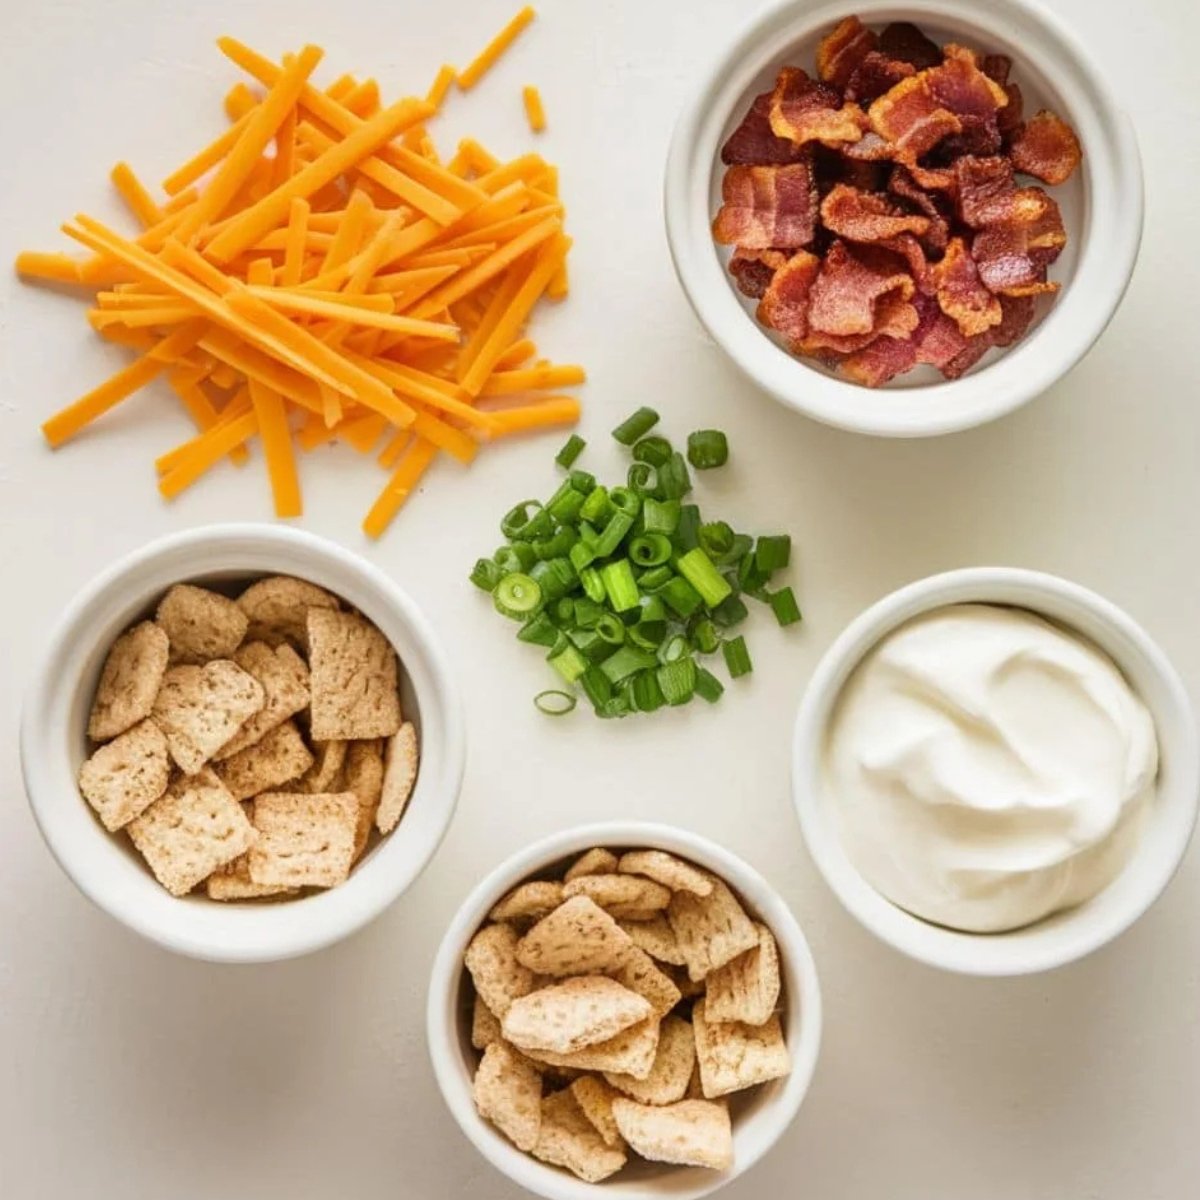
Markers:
{"x": 108, "y": 870}
{"x": 1065, "y": 936}
{"x": 1102, "y": 207}
{"x": 760, "y": 1117}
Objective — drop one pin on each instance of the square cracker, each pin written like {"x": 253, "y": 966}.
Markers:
{"x": 747, "y": 988}
{"x": 622, "y": 896}
{"x": 656, "y": 938}
{"x": 570, "y": 1014}
{"x": 674, "y": 1061}
{"x": 596, "y": 861}
{"x": 362, "y": 774}
{"x": 201, "y": 625}
{"x": 201, "y": 708}
{"x": 126, "y": 776}
{"x": 353, "y": 677}
{"x": 491, "y": 960}
{"x": 631, "y": 1052}
{"x": 129, "y": 681}
{"x": 577, "y": 938}
{"x": 711, "y": 930}
{"x": 485, "y": 1025}
{"x": 529, "y": 901}
{"x": 639, "y": 973}
{"x": 277, "y": 609}
{"x": 325, "y": 774}
{"x": 272, "y": 761}
{"x": 595, "y": 1097}
{"x": 733, "y": 1056}
{"x": 284, "y": 678}
{"x": 233, "y": 882}
{"x": 196, "y": 827}
{"x": 568, "y": 1139}
{"x": 666, "y": 869}
{"x": 303, "y": 840}
{"x": 689, "y": 1133}
{"x": 508, "y": 1092}
{"x": 399, "y": 777}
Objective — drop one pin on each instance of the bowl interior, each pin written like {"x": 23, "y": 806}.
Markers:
{"x": 1066, "y": 935}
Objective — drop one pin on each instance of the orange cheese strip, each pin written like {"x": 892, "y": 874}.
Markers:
{"x": 363, "y": 99}
{"x": 285, "y": 150}
{"x": 426, "y": 389}
{"x": 534, "y": 112}
{"x": 557, "y": 410}
{"x": 229, "y": 349}
{"x": 186, "y": 385}
{"x": 505, "y": 230}
{"x": 204, "y": 161}
{"x": 297, "y": 229}
{"x": 239, "y": 100}
{"x": 349, "y": 232}
{"x": 440, "y": 86}
{"x": 518, "y": 353}
{"x": 512, "y": 283}
{"x": 509, "y": 383}
{"x": 363, "y": 432}
{"x": 487, "y": 57}
{"x": 390, "y": 454}
{"x": 305, "y": 302}
{"x": 237, "y": 406}
{"x": 276, "y": 438}
{"x": 205, "y": 452}
{"x": 140, "y": 318}
{"x": 55, "y": 268}
{"x": 137, "y": 199}
{"x": 399, "y": 487}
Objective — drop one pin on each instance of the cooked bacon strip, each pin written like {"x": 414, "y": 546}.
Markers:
{"x": 807, "y": 111}
{"x": 881, "y": 361}
{"x": 960, "y": 291}
{"x": 784, "y": 306}
{"x": 1006, "y": 264}
{"x": 911, "y": 251}
{"x": 766, "y": 207}
{"x": 842, "y": 49}
{"x": 847, "y": 293}
{"x": 901, "y": 183}
{"x": 1046, "y": 148}
{"x": 895, "y": 317}
{"x": 937, "y": 338}
{"x": 903, "y": 40}
{"x": 984, "y": 187}
{"x": 867, "y": 216}
{"x": 753, "y": 143}
{"x": 1018, "y": 316}
{"x": 911, "y": 119}
{"x": 876, "y": 74}
{"x": 753, "y": 270}
{"x": 999, "y": 67}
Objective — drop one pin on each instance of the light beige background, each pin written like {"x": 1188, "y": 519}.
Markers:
{"x": 125, "y": 1071}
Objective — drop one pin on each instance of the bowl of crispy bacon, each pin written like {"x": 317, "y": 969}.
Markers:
{"x": 904, "y": 221}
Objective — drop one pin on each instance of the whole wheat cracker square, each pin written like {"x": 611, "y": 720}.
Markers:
{"x": 129, "y": 681}
{"x": 528, "y": 901}
{"x": 689, "y": 1133}
{"x": 666, "y": 869}
{"x": 352, "y": 669}
{"x": 711, "y": 930}
{"x": 363, "y": 775}
{"x": 733, "y": 1056}
{"x": 638, "y": 972}
{"x": 272, "y": 761}
{"x": 596, "y": 861}
{"x": 277, "y": 609}
{"x": 326, "y": 772}
{"x": 631, "y": 1052}
{"x": 595, "y": 1098}
{"x": 125, "y": 776}
{"x": 572, "y": 1014}
{"x": 233, "y": 882}
{"x": 621, "y": 896}
{"x": 485, "y": 1025}
{"x": 200, "y": 624}
{"x": 284, "y": 678}
{"x": 577, "y": 938}
{"x": 201, "y": 708}
{"x": 568, "y": 1139}
{"x": 399, "y": 776}
{"x": 303, "y": 840}
{"x": 656, "y": 938}
{"x": 508, "y": 1092}
{"x": 674, "y": 1062}
{"x": 491, "y": 959}
{"x": 747, "y": 988}
{"x": 194, "y": 828}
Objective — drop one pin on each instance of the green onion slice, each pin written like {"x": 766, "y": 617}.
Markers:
{"x": 707, "y": 448}
{"x": 518, "y": 517}
{"x": 697, "y": 568}
{"x": 517, "y": 596}
{"x": 737, "y": 657}
{"x": 678, "y": 680}
{"x": 554, "y": 703}
{"x": 573, "y": 448}
{"x": 635, "y": 426}
{"x": 773, "y": 553}
{"x": 650, "y": 550}
{"x": 486, "y": 574}
{"x": 653, "y": 450}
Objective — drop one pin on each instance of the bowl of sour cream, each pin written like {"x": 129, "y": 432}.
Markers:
{"x": 996, "y": 771}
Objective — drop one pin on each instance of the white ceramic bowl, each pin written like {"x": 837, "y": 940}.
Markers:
{"x": 759, "y": 1117}
{"x": 1064, "y": 936}
{"x": 107, "y": 869}
{"x": 1102, "y": 209}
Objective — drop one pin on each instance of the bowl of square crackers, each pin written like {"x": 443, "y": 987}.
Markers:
{"x": 243, "y": 742}
{"x": 624, "y": 1008}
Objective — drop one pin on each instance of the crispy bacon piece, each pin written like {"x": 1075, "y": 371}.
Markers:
{"x": 903, "y": 40}
{"x": 894, "y": 317}
{"x": 984, "y": 187}
{"x": 970, "y": 354}
{"x": 996, "y": 66}
{"x": 1007, "y": 264}
{"x": 960, "y": 291}
{"x": 753, "y": 270}
{"x": 753, "y": 143}
{"x": 937, "y": 338}
{"x": 784, "y": 306}
{"x": 767, "y": 207}
{"x": 876, "y": 74}
{"x": 1014, "y": 324}
{"x": 910, "y": 118}
{"x": 847, "y": 293}
{"x": 911, "y": 250}
{"x": 842, "y": 49}
{"x": 807, "y": 111}
{"x": 880, "y": 361}
{"x": 902, "y": 184}
{"x": 869, "y": 148}
{"x": 933, "y": 179}
{"x": 1046, "y": 148}
{"x": 867, "y": 216}
{"x": 1010, "y": 118}
{"x": 832, "y": 167}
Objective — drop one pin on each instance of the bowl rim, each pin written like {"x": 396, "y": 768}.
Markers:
{"x": 443, "y": 1018}
{"x": 1015, "y": 952}
{"x": 240, "y": 933}
{"x": 1108, "y": 249}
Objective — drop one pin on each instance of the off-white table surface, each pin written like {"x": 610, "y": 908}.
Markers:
{"x": 128, "y": 1072}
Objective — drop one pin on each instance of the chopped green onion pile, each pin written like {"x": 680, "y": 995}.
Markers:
{"x": 627, "y": 587}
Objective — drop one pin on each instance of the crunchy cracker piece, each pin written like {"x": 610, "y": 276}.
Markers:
{"x": 363, "y": 775}
{"x": 129, "y": 681}
{"x": 595, "y": 1098}
{"x": 638, "y": 973}
{"x": 272, "y": 761}
{"x": 656, "y": 938}
{"x": 674, "y": 1061}
{"x": 233, "y": 882}
{"x": 568, "y": 1139}
{"x": 573, "y": 1014}
{"x": 733, "y": 1056}
{"x": 596, "y": 861}
{"x": 399, "y": 776}
{"x": 747, "y": 988}
{"x": 284, "y": 678}
{"x": 711, "y": 930}
{"x": 201, "y": 708}
{"x": 353, "y": 677}
{"x": 631, "y": 1052}
{"x": 325, "y": 774}
{"x": 508, "y": 1092}
{"x": 529, "y": 901}
{"x": 277, "y": 608}
{"x": 622, "y": 896}
{"x": 200, "y": 625}
{"x": 666, "y": 869}
{"x": 303, "y": 840}
{"x": 485, "y": 1025}
{"x": 690, "y": 1133}
{"x": 194, "y": 828}
{"x": 492, "y": 961}
{"x": 577, "y": 938}
{"x": 126, "y": 776}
